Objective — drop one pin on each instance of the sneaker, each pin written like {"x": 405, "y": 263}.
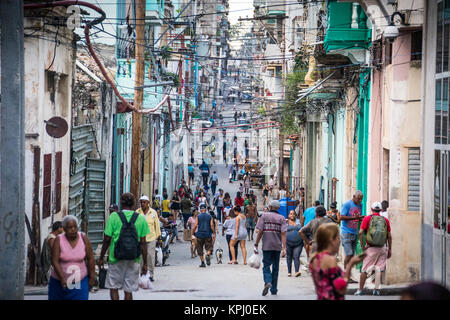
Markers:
{"x": 359, "y": 293}
{"x": 376, "y": 293}
{"x": 208, "y": 259}
{"x": 289, "y": 274}
{"x": 203, "y": 265}
{"x": 267, "y": 286}
{"x": 297, "y": 274}
{"x": 273, "y": 293}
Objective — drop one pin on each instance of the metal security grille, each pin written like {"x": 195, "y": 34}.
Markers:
{"x": 95, "y": 200}
{"x": 82, "y": 146}
{"x": 413, "y": 179}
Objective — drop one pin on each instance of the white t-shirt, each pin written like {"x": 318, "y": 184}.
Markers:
{"x": 271, "y": 183}
{"x": 384, "y": 214}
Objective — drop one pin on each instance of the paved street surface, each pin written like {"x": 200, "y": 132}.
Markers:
{"x": 183, "y": 279}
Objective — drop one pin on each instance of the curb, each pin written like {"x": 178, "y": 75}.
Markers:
{"x": 388, "y": 291}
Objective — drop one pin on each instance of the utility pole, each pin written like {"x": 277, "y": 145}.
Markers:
{"x": 12, "y": 152}
{"x": 135, "y": 186}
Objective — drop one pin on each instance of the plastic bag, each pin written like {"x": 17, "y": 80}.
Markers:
{"x": 159, "y": 256}
{"x": 254, "y": 261}
{"x": 144, "y": 282}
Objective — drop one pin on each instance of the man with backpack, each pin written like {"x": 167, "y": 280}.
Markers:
{"x": 204, "y": 168}
{"x": 125, "y": 236}
{"x": 377, "y": 231}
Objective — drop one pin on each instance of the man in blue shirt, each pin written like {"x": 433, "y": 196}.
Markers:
{"x": 214, "y": 181}
{"x": 350, "y": 216}
{"x": 191, "y": 173}
{"x": 204, "y": 169}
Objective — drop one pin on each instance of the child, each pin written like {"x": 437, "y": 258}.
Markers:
{"x": 241, "y": 188}
{"x": 173, "y": 226}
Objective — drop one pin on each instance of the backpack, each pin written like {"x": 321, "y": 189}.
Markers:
{"x": 377, "y": 233}
{"x": 156, "y": 205}
{"x": 128, "y": 245}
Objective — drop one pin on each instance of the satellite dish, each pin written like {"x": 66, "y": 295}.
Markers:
{"x": 56, "y": 127}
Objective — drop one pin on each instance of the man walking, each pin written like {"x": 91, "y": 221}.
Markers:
{"x": 204, "y": 168}
{"x": 251, "y": 215}
{"x": 308, "y": 231}
{"x": 205, "y": 234}
{"x": 186, "y": 205}
{"x": 125, "y": 249}
{"x": 272, "y": 229}
{"x": 151, "y": 216}
{"x": 308, "y": 216}
{"x": 350, "y": 216}
{"x": 214, "y": 181}
{"x": 377, "y": 230}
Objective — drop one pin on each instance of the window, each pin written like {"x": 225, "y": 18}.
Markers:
{"x": 47, "y": 186}
{"x": 413, "y": 179}
{"x": 416, "y": 45}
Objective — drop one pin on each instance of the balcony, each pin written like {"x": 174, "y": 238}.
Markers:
{"x": 154, "y": 12}
{"x": 347, "y": 31}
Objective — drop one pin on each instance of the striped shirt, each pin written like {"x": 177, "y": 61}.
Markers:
{"x": 272, "y": 224}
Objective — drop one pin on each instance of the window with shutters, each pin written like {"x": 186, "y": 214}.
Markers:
{"x": 413, "y": 179}
{"x": 47, "y": 196}
{"x": 58, "y": 174}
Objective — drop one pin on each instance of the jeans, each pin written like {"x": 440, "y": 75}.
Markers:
{"x": 213, "y": 188}
{"x": 219, "y": 213}
{"x": 236, "y": 246}
{"x": 271, "y": 257}
{"x": 293, "y": 253}
{"x": 205, "y": 179}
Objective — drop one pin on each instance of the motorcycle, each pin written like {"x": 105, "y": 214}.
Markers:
{"x": 162, "y": 249}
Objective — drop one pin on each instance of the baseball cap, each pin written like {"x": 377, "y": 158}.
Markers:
{"x": 202, "y": 206}
{"x": 114, "y": 206}
{"x": 275, "y": 204}
{"x": 144, "y": 198}
{"x": 333, "y": 205}
{"x": 376, "y": 206}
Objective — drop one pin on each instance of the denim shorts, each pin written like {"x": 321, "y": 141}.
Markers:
{"x": 349, "y": 242}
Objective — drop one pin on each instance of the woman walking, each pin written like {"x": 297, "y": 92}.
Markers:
{"x": 175, "y": 205}
{"x": 71, "y": 277}
{"x": 265, "y": 191}
{"x": 329, "y": 280}
{"x": 202, "y": 199}
{"x": 228, "y": 229}
{"x": 239, "y": 201}
{"x": 239, "y": 236}
{"x": 294, "y": 244}
{"x": 227, "y": 202}
{"x": 191, "y": 222}
{"x": 219, "y": 205}
{"x": 247, "y": 183}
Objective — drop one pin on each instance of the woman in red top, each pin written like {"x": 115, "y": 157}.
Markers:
{"x": 239, "y": 201}
{"x": 329, "y": 279}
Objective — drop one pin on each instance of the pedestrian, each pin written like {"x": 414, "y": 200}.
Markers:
{"x": 228, "y": 229}
{"x": 191, "y": 223}
{"x": 235, "y": 117}
{"x": 151, "y": 217}
{"x": 231, "y": 174}
{"x": 329, "y": 280}
{"x": 246, "y": 149}
{"x": 157, "y": 201}
{"x": 165, "y": 193}
{"x": 251, "y": 215}
{"x": 239, "y": 236}
{"x": 165, "y": 207}
{"x": 265, "y": 191}
{"x": 224, "y": 153}
{"x": 297, "y": 209}
{"x": 235, "y": 147}
{"x": 173, "y": 226}
{"x": 204, "y": 169}
{"x": 426, "y": 290}
{"x": 377, "y": 232}
{"x": 175, "y": 204}
{"x": 308, "y": 231}
{"x": 271, "y": 185}
{"x": 204, "y": 232}
{"x": 201, "y": 199}
{"x": 350, "y": 216}
{"x": 197, "y": 191}
{"x": 214, "y": 181}
{"x": 309, "y": 215}
{"x": 219, "y": 205}
{"x": 247, "y": 183}
{"x": 73, "y": 264}
{"x": 253, "y": 197}
{"x": 334, "y": 213}
{"x": 215, "y": 223}
{"x": 385, "y": 206}
{"x": 186, "y": 205}
{"x": 123, "y": 229}
{"x": 191, "y": 174}
{"x": 282, "y": 192}
{"x": 272, "y": 229}
{"x": 294, "y": 244}
{"x": 46, "y": 252}
{"x": 227, "y": 202}
{"x": 239, "y": 201}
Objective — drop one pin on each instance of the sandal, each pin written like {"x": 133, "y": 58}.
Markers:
{"x": 235, "y": 262}
{"x": 230, "y": 262}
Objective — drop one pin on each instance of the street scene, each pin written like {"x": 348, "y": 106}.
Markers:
{"x": 224, "y": 150}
